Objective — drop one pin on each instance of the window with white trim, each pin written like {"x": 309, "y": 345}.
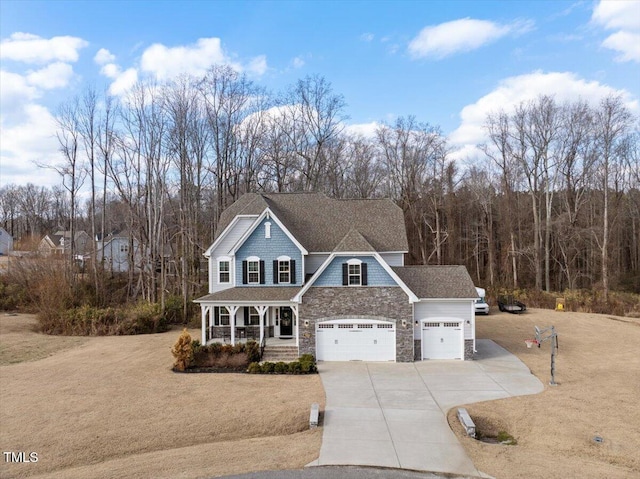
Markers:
{"x": 253, "y": 272}
{"x": 284, "y": 271}
{"x": 224, "y": 272}
{"x": 124, "y": 248}
{"x": 253, "y": 318}
{"x": 221, "y": 316}
{"x": 355, "y": 275}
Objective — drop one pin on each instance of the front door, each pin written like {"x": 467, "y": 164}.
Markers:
{"x": 286, "y": 321}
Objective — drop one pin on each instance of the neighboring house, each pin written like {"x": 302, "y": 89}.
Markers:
{"x": 328, "y": 277}
{"x": 118, "y": 253}
{"x": 6, "y": 242}
{"x": 59, "y": 243}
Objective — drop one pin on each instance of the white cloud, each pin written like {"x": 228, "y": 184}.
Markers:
{"x": 368, "y": 130}
{"x": 28, "y": 48}
{"x": 627, "y": 43}
{"x": 168, "y": 62}
{"x": 27, "y": 143}
{"x": 123, "y": 81}
{"x": 564, "y": 86}
{"x": 104, "y": 56}
{"x": 54, "y": 75}
{"x": 297, "y": 62}
{"x": 111, "y": 70}
{"x": 257, "y": 65}
{"x": 367, "y": 37}
{"x": 466, "y": 34}
{"x": 623, "y": 16}
{"x": 15, "y": 91}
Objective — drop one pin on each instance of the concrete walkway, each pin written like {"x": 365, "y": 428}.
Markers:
{"x": 394, "y": 414}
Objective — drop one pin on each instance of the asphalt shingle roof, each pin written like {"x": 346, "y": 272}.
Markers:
{"x": 320, "y": 223}
{"x": 254, "y": 293}
{"x": 437, "y": 281}
{"x": 353, "y": 241}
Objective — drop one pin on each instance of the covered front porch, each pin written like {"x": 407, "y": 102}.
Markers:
{"x": 263, "y": 314}
{"x": 233, "y": 323}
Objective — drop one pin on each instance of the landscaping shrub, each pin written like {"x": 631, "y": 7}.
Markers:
{"x": 268, "y": 368}
{"x": 306, "y": 364}
{"x": 280, "y": 367}
{"x": 225, "y": 356}
{"x": 295, "y": 367}
{"x": 182, "y": 351}
{"x": 254, "y": 368}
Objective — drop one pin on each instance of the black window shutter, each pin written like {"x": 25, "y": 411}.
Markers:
{"x": 363, "y": 266}
{"x": 246, "y": 315}
{"x": 345, "y": 274}
{"x": 275, "y": 271}
{"x": 261, "y": 272}
{"x": 244, "y": 272}
{"x": 292, "y": 267}
{"x": 216, "y": 315}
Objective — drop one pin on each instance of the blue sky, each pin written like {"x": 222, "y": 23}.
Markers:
{"x": 447, "y": 63}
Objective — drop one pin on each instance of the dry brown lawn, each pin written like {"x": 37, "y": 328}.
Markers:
{"x": 111, "y": 407}
{"x": 598, "y": 394}
{"x": 17, "y": 347}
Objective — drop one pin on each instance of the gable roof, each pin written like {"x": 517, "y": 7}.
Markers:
{"x": 353, "y": 241}
{"x": 391, "y": 271}
{"x": 320, "y": 223}
{"x": 267, "y": 213}
{"x": 429, "y": 282}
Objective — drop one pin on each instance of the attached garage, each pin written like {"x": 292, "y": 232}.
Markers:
{"x": 355, "y": 340}
{"x": 442, "y": 338}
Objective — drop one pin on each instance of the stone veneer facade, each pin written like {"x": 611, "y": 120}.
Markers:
{"x": 468, "y": 349}
{"x": 385, "y": 303}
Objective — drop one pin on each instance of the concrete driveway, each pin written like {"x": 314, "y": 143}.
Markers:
{"x": 394, "y": 414}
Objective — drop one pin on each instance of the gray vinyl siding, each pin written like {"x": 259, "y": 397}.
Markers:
{"x": 393, "y": 259}
{"x": 462, "y": 310}
{"x": 232, "y": 237}
{"x": 222, "y": 249}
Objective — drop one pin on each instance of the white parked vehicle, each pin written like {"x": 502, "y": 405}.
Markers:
{"x": 481, "y": 305}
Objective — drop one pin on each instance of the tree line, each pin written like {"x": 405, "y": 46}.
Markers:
{"x": 552, "y": 202}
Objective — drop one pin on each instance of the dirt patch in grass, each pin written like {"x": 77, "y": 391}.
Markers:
{"x": 19, "y": 342}
{"x": 598, "y": 376}
{"x": 114, "y": 402}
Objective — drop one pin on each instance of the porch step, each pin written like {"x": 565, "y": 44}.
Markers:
{"x": 285, "y": 354}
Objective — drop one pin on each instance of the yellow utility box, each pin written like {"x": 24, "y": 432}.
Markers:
{"x": 559, "y": 304}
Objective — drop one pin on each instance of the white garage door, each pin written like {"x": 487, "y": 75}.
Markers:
{"x": 355, "y": 340}
{"x": 442, "y": 339}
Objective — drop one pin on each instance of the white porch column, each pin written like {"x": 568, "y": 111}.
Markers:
{"x": 262, "y": 310}
{"x": 297, "y": 321}
{"x": 232, "y": 321}
{"x": 203, "y": 312}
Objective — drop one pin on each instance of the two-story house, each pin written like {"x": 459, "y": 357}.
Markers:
{"x": 59, "y": 243}
{"x": 119, "y": 252}
{"x": 328, "y": 276}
